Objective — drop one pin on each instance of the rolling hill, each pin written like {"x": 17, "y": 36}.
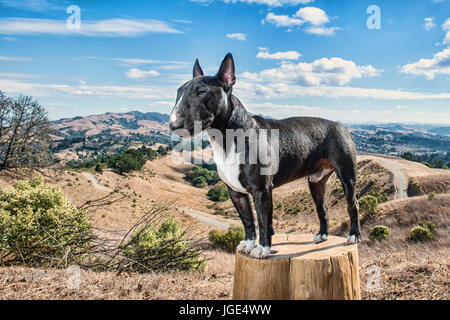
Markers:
{"x": 88, "y": 136}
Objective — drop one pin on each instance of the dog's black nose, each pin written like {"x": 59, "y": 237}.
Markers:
{"x": 175, "y": 125}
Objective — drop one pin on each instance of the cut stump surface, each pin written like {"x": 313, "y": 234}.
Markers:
{"x": 298, "y": 269}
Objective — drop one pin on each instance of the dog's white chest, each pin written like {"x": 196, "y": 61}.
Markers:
{"x": 228, "y": 166}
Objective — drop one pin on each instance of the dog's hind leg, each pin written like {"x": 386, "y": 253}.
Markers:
{"x": 243, "y": 206}
{"x": 317, "y": 189}
{"x": 347, "y": 174}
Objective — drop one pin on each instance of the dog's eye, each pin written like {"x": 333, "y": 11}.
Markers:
{"x": 201, "y": 92}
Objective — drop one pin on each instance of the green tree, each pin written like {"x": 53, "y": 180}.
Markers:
{"x": 218, "y": 193}
{"x": 24, "y": 133}
{"x": 127, "y": 162}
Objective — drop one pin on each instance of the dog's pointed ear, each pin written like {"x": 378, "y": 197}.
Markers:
{"x": 227, "y": 70}
{"x": 197, "y": 72}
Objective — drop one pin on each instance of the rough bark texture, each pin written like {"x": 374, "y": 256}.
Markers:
{"x": 298, "y": 269}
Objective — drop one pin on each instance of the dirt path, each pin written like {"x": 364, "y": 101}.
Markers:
{"x": 90, "y": 177}
{"x": 400, "y": 179}
{"x": 207, "y": 218}
{"x": 201, "y": 216}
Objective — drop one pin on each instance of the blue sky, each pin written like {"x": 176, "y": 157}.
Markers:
{"x": 293, "y": 57}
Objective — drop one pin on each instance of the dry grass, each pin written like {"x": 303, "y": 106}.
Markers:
{"x": 25, "y": 284}
{"x": 215, "y": 283}
{"x": 438, "y": 183}
{"x": 408, "y": 270}
{"x": 425, "y": 281}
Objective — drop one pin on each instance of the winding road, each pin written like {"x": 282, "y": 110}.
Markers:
{"x": 400, "y": 179}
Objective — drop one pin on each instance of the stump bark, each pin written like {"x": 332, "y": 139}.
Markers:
{"x": 298, "y": 269}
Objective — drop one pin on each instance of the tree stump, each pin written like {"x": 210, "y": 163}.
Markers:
{"x": 298, "y": 269}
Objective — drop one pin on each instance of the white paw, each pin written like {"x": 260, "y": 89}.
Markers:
{"x": 260, "y": 252}
{"x": 320, "y": 237}
{"x": 246, "y": 246}
{"x": 352, "y": 239}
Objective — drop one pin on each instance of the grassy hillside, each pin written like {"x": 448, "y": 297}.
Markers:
{"x": 408, "y": 269}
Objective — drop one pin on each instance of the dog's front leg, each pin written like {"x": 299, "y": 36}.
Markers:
{"x": 243, "y": 206}
{"x": 263, "y": 205}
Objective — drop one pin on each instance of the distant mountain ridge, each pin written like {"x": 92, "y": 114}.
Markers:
{"x": 121, "y": 124}
{"x": 104, "y": 132}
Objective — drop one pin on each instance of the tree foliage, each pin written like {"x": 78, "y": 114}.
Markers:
{"x": 227, "y": 241}
{"x": 162, "y": 248}
{"x": 211, "y": 177}
{"x": 379, "y": 233}
{"x": 218, "y": 193}
{"x": 24, "y": 133}
{"x": 40, "y": 227}
{"x": 368, "y": 206}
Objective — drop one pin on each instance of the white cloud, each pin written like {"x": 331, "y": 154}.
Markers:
{"x": 100, "y": 28}
{"x": 446, "y": 25}
{"x": 32, "y": 5}
{"x": 313, "y": 18}
{"x": 334, "y": 71}
{"x": 322, "y": 31}
{"x": 64, "y": 90}
{"x": 248, "y": 89}
{"x": 163, "y": 64}
{"x": 439, "y": 64}
{"x": 283, "y": 20}
{"x": 245, "y": 89}
{"x": 16, "y": 75}
{"x": 286, "y": 55}
{"x": 237, "y": 36}
{"x": 447, "y": 38}
{"x": 429, "y": 24}
{"x": 135, "y": 73}
{"x": 3, "y": 58}
{"x": 345, "y": 115}
{"x": 313, "y": 15}
{"x": 270, "y": 3}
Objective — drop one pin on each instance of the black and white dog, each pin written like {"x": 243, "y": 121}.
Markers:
{"x": 307, "y": 147}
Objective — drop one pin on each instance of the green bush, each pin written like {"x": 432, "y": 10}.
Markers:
{"x": 368, "y": 206}
{"x": 162, "y": 248}
{"x": 218, "y": 193}
{"x": 379, "y": 233}
{"x": 227, "y": 241}
{"x": 131, "y": 160}
{"x": 414, "y": 188}
{"x": 40, "y": 227}
{"x": 98, "y": 168}
{"x": 420, "y": 233}
{"x": 428, "y": 225}
{"x": 199, "y": 182}
{"x": 210, "y": 177}
{"x": 431, "y": 195}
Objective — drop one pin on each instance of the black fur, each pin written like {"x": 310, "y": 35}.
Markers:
{"x": 306, "y": 146}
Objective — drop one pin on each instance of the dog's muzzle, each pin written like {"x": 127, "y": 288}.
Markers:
{"x": 176, "y": 125}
